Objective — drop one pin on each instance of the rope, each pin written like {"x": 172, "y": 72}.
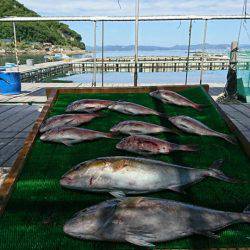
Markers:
{"x": 244, "y": 12}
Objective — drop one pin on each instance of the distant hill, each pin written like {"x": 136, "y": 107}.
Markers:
{"x": 49, "y": 32}
{"x": 176, "y": 47}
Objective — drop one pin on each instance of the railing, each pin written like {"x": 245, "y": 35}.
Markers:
{"x": 135, "y": 19}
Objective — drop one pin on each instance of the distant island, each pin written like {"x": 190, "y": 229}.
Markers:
{"x": 176, "y": 47}
{"x": 35, "y": 36}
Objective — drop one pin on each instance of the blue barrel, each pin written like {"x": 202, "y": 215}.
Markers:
{"x": 10, "y": 83}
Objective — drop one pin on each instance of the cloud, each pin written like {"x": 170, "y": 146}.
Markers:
{"x": 148, "y": 7}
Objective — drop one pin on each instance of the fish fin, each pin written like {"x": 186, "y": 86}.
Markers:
{"x": 139, "y": 240}
{"x": 214, "y": 171}
{"x": 177, "y": 189}
{"x": 246, "y": 214}
{"x": 247, "y": 210}
{"x": 208, "y": 234}
{"x": 118, "y": 194}
{"x": 229, "y": 138}
{"x": 67, "y": 143}
{"x": 188, "y": 148}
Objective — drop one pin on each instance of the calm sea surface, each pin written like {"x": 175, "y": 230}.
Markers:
{"x": 218, "y": 76}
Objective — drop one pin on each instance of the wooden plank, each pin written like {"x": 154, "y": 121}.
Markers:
{"x": 15, "y": 117}
{"x": 122, "y": 89}
{"x": 4, "y": 108}
{"x": 27, "y": 121}
{"x": 11, "y": 112}
{"x": 9, "y": 150}
{"x": 9, "y": 182}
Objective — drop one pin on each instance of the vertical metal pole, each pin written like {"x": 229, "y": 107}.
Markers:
{"x": 102, "y": 53}
{"x": 15, "y": 41}
{"x": 137, "y": 13}
{"x": 94, "y": 54}
{"x": 189, "y": 45}
{"x": 203, "y": 50}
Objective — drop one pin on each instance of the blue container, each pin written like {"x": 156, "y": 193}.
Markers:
{"x": 10, "y": 83}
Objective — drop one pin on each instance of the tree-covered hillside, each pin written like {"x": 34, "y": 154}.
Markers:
{"x": 51, "y": 32}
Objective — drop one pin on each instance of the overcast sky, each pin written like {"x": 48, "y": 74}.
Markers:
{"x": 154, "y": 33}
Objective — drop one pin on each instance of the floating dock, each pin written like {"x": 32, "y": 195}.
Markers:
{"x": 38, "y": 72}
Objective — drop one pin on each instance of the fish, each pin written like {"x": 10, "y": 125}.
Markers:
{"x": 193, "y": 126}
{"x": 139, "y": 127}
{"x": 72, "y": 135}
{"x": 167, "y": 96}
{"x": 120, "y": 175}
{"x": 130, "y": 108}
{"x": 66, "y": 119}
{"x": 88, "y": 105}
{"x": 144, "y": 221}
{"x": 148, "y": 145}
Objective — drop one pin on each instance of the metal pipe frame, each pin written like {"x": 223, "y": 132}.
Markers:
{"x": 137, "y": 14}
{"x": 124, "y": 18}
{"x": 94, "y": 55}
{"x": 15, "y": 42}
{"x": 102, "y": 53}
{"x": 189, "y": 45}
{"x": 203, "y": 51}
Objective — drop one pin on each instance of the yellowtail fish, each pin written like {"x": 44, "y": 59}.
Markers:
{"x": 144, "y": 221}
{"x": 120, "y": 175}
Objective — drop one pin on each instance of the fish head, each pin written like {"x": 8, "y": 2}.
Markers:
{"x": 83, "y": 175}
{"x": 122, "y": 144}
{"x": 83, "y": 225}
{"x": 43, "y": 127}
{"x": 46, "y": 136}
{"x": 155, "y": 93}
{"x": 89, "y": 223}
{"x": 55, "y": 134}
{"x": 72, "y": 107}
{"x": 75, "y": 178}
{"x": 115, "y": 128}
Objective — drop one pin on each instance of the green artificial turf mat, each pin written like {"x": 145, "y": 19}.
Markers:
{"x": 39, "y": 207}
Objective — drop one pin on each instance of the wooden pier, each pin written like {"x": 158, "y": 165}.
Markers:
{"x": 41, "y": 71}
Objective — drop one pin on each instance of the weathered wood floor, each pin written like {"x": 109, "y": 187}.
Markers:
{"x": 17, "y": 118}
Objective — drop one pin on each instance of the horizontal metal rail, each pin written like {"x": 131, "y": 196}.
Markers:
{"x": 123, "y": 18}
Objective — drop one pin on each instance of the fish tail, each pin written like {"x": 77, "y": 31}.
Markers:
{"x": 200, "y": 107}
{"x": 113, "y": 135}
{"x": 228, "y": 138}
{"x": 214, "y": 172}
{"x": 163, "y": 115}
{"x": 246, "y": 214}
{"x": 98, "y": 114}
{"x": 189, "y": 148}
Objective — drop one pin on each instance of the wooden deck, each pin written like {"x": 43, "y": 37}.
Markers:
{"x": 18, "y": 114}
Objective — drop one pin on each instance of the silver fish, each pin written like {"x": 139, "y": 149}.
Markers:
{"x": 66, "y": 119}
{"x": 88, "y": 105}
{"x": 167, "y": 96}
{"x": 71, "y": 135}
{"x": 193, "y": 126}
{"x": 143, "y": 221}
{"x": 121, "y": 175}
{"x": 130, "y": 108}
{"x": 139, "y": 127}
{"x": 142, "y": 144}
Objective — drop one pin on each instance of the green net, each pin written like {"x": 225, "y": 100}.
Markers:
{"x": 243, "y": 75}
{"x": 39, "y": 207}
